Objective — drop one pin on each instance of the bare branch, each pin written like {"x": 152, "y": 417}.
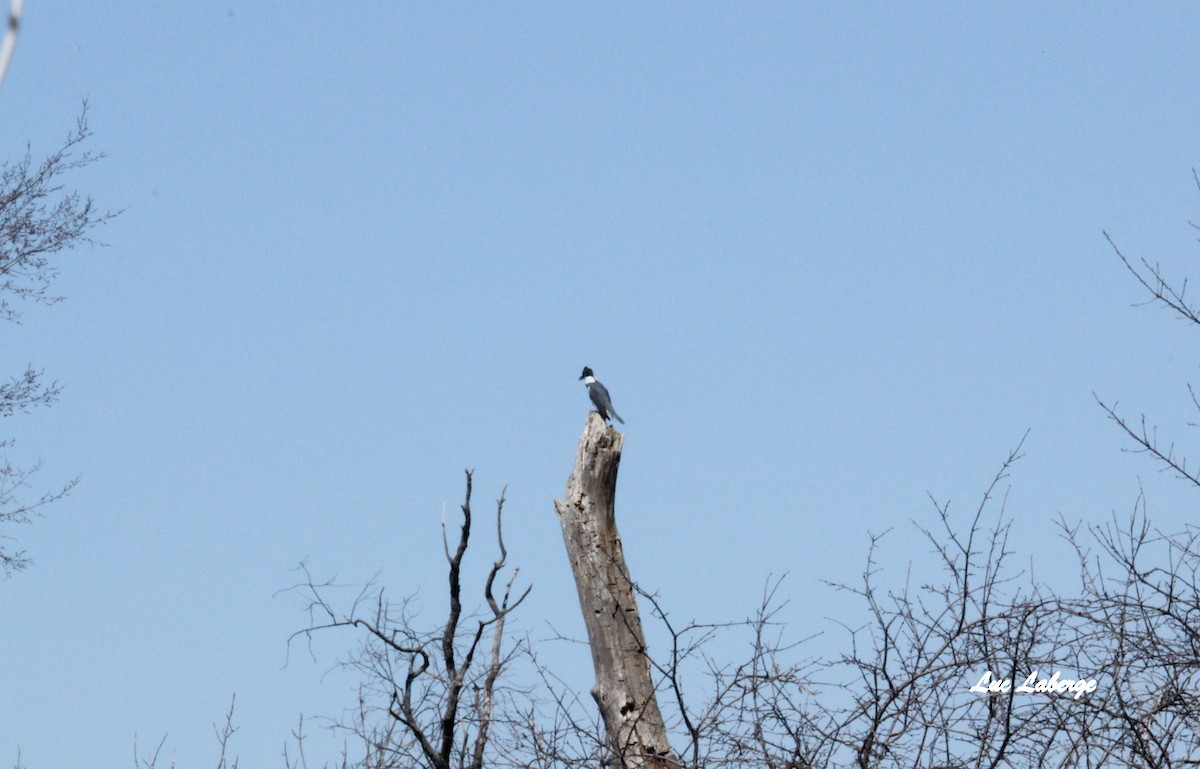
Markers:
{"x": 37, "y": 221}
{"x": 1161, "y": 290}
{"x": 413, "y": 706}
{"x": 1147, "y": 439}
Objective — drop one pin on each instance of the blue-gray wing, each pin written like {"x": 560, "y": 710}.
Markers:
{"x": 603, "y": 402}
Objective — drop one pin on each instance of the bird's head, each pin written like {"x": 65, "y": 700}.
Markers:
{"x": 587, "y": 372}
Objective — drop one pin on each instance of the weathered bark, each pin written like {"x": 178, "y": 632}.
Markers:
{"x": 624, "y": 690}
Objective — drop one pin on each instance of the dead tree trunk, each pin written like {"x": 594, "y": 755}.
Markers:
{"x": 623, "y": 690}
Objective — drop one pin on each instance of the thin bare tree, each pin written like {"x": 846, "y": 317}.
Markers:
{"x": 38, "y": 220}
{"x": 428, "y": 697}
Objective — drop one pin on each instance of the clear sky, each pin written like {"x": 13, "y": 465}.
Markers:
{"x": 826, "y": 257}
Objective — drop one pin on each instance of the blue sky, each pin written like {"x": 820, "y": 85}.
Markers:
{"x": 827, "y": 258}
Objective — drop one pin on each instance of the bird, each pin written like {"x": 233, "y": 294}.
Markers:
{"x": 599, "y": 395}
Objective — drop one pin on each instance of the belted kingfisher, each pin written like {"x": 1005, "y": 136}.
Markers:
{"x": 599, "y": 395}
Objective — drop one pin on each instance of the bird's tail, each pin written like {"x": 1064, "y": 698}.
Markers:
{"x": 614, "y": 415}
